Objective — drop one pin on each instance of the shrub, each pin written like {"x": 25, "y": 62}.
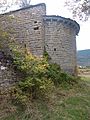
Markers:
{"x": 39, "y": 76}
{"x": 35, "y": 82}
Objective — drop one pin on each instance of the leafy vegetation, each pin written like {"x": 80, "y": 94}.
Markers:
{"x": 72, "y": 103}
{"x": 39, "y": 76}
{"x": 79, "y": 8}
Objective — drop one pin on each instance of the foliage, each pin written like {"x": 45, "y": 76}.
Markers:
{"x": 39, "y": 76}
{"x": 46, "y": 55}
{"x": 6, "y": 4}
{"x": 64, "y": 104}
{"x": 24, "y": 3}
{"x": 34, "y": 82}
{"x": 80, "y": 8}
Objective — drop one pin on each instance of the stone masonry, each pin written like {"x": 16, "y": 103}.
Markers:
{"x": 60, "y": 41}
{"x": 36, "y": 31}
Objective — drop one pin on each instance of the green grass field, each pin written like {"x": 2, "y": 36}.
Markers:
{"x": 65, "y": 103}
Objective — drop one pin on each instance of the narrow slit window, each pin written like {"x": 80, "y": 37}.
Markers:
{"x": 54, "y": 49}
{"x": 36, "y": 28}
{"x": 35, "y": 21}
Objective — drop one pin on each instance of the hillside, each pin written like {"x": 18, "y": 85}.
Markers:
{"x": 66, "y": 102}
{"x": 83, "y": 57}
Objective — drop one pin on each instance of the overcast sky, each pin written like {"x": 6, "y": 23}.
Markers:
{"x": 56, "y": 7}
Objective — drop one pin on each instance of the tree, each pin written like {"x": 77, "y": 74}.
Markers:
{"x": 4, "y": 5}
{"x": 24, "y": 3}
{"x": 80, "y": 8}
{"x": 7, "y": 4}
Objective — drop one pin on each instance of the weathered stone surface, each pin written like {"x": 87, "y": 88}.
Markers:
{"x": 7, "y": 77}
{"x": 27, "y": 27}
{"x": 60, "y": 42}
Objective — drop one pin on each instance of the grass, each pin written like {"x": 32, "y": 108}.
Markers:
{"x": 65, "y": 103}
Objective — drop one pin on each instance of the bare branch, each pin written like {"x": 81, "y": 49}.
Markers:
{"x": 24, "y": 3}
{"x": 6, "y": 4}
{"x": 79, "y": 8}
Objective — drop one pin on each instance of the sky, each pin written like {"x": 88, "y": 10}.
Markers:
{"x": 56, "y": 7}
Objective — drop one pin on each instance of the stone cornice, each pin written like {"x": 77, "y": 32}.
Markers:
{"x": 67, "y": 21}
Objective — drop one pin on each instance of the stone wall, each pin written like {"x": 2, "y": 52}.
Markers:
{"x": 60, "y": 41}
{"x": 26, "y": 26}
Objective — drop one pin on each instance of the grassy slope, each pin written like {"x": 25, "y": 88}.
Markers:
{"x": 65, "y": 103}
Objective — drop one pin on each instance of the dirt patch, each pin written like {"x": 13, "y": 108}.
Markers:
{"x": 84, "y": 72}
